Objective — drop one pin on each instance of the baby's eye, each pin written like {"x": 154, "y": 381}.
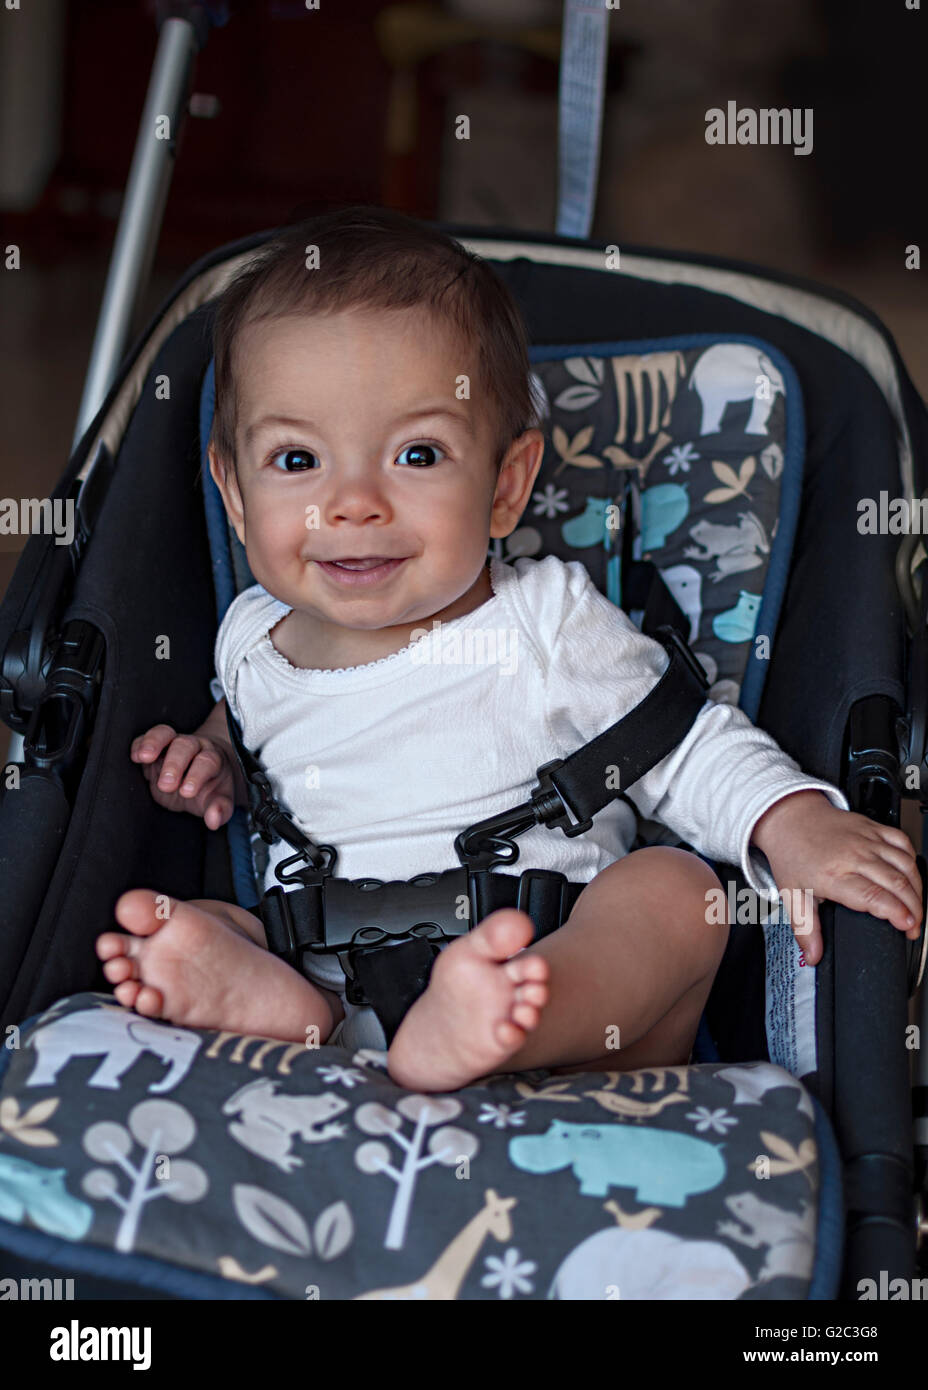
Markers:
{"x": 294, "y": 454}
{"x": 420, "y": 454}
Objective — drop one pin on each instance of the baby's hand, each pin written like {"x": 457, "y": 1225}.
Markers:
{"x": 818, "y": 852}
{"x": 192, "y": 772}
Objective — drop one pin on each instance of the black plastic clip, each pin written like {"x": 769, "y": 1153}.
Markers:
{"x": 550, "y": 807}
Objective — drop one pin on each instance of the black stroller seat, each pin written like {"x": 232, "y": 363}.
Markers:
{"x": 651, "y": 1175}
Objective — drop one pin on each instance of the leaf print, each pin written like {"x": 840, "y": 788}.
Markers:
{"x": 580, "y": 441}
{"x": 333, "y": 1231}
{"x": 791, "y": 1160}
{"x": 588, "y": 369}
{"x": 577, "y": 397}
{"x": 771, "y": 460}
{"x": 38, "y": 1138}
{"x": 737, "y": 483}
{"x": 39, "y": 1112}
{"x": 271, "y": 1220}
{"x": 572, "y": 451}
{"x": 22, "y": 1127}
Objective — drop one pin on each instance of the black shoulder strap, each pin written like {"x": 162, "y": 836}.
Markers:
{"x": 638, "y": 741}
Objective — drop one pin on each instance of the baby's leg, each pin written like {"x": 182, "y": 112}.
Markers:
{"x": 205, "y": 964}
{"x": 631, "y": 968}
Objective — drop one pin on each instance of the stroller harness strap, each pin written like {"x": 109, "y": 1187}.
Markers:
{"x": 387, "y": 935}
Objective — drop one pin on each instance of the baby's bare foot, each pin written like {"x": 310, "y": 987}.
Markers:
{"x": 196, "y": 968}
{"x": 477, "y": 1009}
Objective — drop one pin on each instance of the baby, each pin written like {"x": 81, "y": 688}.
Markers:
{"x": 374, "y": 429}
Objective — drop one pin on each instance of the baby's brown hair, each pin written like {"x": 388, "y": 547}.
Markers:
{"x": 377, "y": 258}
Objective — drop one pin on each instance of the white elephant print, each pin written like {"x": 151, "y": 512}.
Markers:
{"x": 727, "y": 373}
{"x": 646, "y": 1264}
{"x": 121, "y": 1037}
{"x": 685, "y": 583}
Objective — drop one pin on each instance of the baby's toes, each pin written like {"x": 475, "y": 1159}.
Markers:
{"x": 527, "y": 966}
{"x": 120, "y": 969}
{"x": 525, "y": 1015}
{"x": 534, "y": 992}
{"x": 508, "y": 1035}
{"x": 149, "y": 1001}
{"x": 142, "y": 911}
{"x": 502, "y": 934}
{"x": 127, "y": 993}
{"x": 111, "y": 944}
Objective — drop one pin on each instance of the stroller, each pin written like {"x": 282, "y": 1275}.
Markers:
{"x": 780, "y": 1163}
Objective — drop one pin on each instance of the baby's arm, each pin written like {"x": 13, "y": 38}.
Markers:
{"x": 196, "y": 772}
{"x": 842, "y": 857}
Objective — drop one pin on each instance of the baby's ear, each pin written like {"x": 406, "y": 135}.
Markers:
{"x": 223, "y": 475}
{"x": 218, "y": 470}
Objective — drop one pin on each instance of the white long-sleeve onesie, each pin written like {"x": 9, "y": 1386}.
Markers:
{"x": 390, "y": 760}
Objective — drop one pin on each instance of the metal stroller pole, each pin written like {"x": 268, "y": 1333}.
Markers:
{"x": 142, "y": 210}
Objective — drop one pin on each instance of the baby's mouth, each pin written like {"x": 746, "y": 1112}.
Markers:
{"x": 361, "y": 571}
{"x": 370, "y": 563}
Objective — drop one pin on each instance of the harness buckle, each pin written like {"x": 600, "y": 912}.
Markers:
{"x": 361, "y": 913}
{"x": 317, "y": 861}
{"x": 550, "y": 807}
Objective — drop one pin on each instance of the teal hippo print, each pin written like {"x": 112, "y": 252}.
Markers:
{"x": 663, "y": 508}
{"x": 664, "y": 1168}
{"x": 25, "y": 1188}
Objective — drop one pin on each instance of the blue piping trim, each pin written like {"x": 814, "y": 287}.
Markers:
{"x": 216, "y": 521}
{"x": 829, "y": 1235}
{"x": 217, "y": 528}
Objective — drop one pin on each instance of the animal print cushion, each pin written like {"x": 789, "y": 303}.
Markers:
{"x": 706, "y": 432}
{"x": 274, "y": 1170}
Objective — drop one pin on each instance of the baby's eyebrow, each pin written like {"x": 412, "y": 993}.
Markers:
{"x": 266, "y": 421}
{"x": 433, "y": 411}
{"x": 420, "y": 413}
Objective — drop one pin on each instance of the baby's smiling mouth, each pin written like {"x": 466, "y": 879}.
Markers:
{"x": 361, "y": 571}
{"x": 368, "y": 562}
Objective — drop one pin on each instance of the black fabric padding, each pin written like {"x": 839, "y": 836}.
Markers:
{"x": 146, "y": 575}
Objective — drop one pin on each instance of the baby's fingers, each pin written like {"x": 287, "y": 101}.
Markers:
{"x": 147, "y": 746}
{"x": 218, "y": 811}
{"x": 177, "y": 760}
{"x": 903, "y": 859}
{"x": 883, "y": 892}
{"x": 205, "y": 767}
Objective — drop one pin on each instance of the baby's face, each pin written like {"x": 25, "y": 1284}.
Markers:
{"x": 353, "y": 446}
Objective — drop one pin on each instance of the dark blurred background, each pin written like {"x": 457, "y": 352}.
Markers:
{"x": 356, "y": 102}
